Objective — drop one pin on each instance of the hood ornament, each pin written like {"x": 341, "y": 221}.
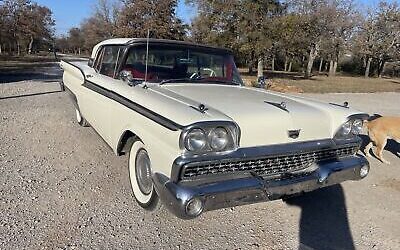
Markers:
{"x": 281, "y": 105}
{"x": 201, "y": 108}
{"x": 344, "y": 105}
{"x": 294, "y": 134}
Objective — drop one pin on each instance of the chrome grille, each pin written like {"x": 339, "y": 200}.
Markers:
{"x": 268, "y": 165}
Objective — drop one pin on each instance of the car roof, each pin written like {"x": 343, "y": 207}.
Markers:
{"x": 129, "y": 41}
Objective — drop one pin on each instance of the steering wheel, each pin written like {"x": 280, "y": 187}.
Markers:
{"x": 212, "y": 72}
{"x": 195, "y": 75}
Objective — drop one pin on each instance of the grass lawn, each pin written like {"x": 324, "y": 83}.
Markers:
{"x": 324, "y": 84}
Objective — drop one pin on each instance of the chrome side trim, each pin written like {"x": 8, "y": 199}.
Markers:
{"x": 163, "y": 121}
{"x": 362, "y": 116}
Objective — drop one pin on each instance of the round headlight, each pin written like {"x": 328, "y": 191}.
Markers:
{"x": 346, "y": 128}
{"x": 357, "y": 126}
{"x": 218, "y": 138}
{"x": 195, "y": 140}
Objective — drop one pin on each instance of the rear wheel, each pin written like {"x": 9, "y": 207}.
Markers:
{"x": 80, "y": 119}
{"x": 140, "y": 176}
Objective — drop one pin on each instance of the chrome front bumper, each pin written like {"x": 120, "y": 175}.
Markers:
{"x": 253, "y": 189}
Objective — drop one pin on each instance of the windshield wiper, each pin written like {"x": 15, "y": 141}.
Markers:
{"x": 198, "y": 79}
{"x": 178, "y": 80}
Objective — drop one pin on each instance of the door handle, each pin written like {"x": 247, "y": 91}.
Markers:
{"x": 89, "y": 76}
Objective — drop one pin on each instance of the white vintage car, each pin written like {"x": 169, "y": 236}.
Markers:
{"x": 197, "y": 138}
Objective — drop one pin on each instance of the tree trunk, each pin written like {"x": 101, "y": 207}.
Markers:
{"x": 30, "y": 45}
{"x": 273, "y": 63}
{"x": 286, "y": 61}
{"x": 250, "y": 68}
{"x": 18, "y": 48}
{"x": 334, "y": 68}
{"x": 368, "y": 67}
{"x": 310, "y": 63}
{"x": 290, "y": 66}
{"x": 330, "y": 68}
{"x": 55, "y": 51}
{"x": 311, "y": 57}
{"x": 321, "y": 62}
{"x": 381, "y": 68}
{"x": 260, "y": 67}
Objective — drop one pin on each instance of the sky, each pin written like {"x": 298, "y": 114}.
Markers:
{"x": 70, "y": 13}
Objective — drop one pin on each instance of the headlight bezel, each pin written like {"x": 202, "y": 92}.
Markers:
{"x": 353, "y": 125}
{"x": 231, "y": 128}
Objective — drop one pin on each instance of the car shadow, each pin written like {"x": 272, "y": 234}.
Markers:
{"x": 40, "y": 73}
{"x": 28, "y": 95}
{"x": 324, "y": 222}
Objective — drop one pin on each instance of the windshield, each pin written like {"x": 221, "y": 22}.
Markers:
{"x": 173, "y": 64}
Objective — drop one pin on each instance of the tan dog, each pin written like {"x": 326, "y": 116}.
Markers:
{"x": 379, "y": 130}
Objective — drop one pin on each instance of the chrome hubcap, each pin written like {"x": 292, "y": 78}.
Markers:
{"x": 143, "y": 172}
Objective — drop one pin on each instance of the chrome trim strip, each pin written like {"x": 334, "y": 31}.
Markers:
{"x": 163, "y": 121}
{"x": 362, "y": 116}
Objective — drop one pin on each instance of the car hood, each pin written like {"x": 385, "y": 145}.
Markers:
{"x": 264, "y": 117}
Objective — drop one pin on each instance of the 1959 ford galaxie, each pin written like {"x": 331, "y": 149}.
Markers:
{"x": 197, "y": 138}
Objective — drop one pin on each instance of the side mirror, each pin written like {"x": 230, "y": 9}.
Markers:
{"x": 262, "y": 81}
{"x": 127, "y": 77}
{"x": 90, "y": 62}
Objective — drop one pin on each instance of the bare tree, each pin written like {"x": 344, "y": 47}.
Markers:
{"x": 159, "y": 16}
{"x": 379, "y": 36}
{"x": 22, "y": 23}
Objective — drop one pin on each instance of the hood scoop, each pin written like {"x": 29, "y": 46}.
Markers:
{"x": 281, "y": 105}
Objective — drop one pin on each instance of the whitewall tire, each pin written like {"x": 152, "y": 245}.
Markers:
{"x": 140, "y": 176}
{"x": 80, "y": 119}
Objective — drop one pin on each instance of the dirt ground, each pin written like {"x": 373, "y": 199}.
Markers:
{"x": 61, "y": 187}
{"x": 323, "y": 84}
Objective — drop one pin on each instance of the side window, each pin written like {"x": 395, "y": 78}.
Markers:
{"x": 99, "y": 58}
{"x": 107, "y": 60}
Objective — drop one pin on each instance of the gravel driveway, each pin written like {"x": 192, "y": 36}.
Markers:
{"x": 62, "y": 187}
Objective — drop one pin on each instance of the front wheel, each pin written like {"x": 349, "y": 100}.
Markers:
{"x": 141, "y": 177}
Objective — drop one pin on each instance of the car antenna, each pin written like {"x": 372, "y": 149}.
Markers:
{"x": 147, "y": 59}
